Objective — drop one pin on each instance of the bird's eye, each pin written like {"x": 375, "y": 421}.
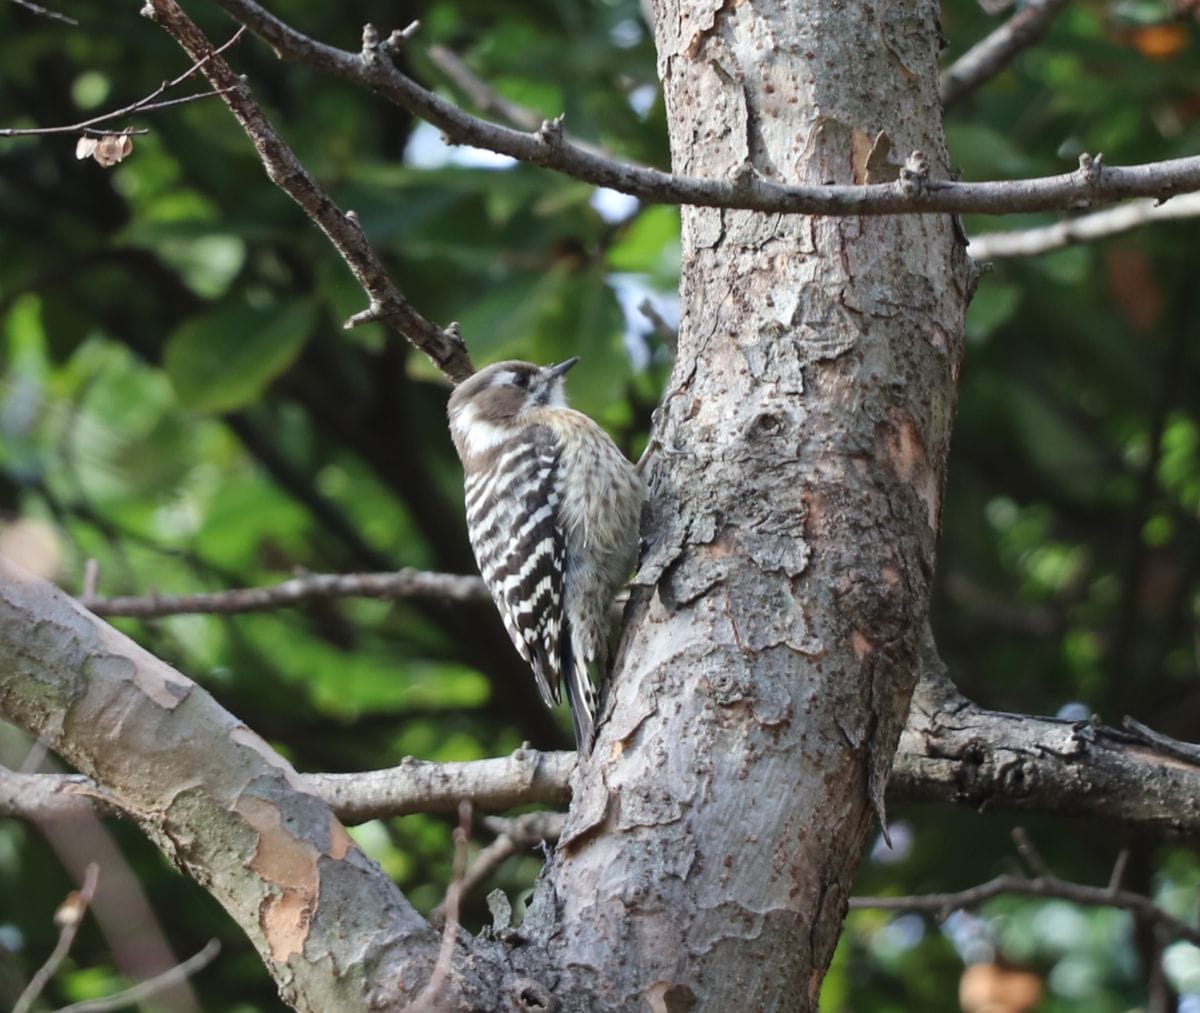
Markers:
{"x": 521, "y": 380}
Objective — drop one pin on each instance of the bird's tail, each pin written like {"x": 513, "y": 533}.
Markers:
{"x": 581, "y": 694}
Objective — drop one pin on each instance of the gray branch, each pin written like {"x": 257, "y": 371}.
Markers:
{"x": 1092, "y": 185}
{"x": 1083, "y": 229}
{"x": 403, "y": 584}
{"x": 219, "y": 802}
{"x": 991, "y": 55}
{"x": 143, "y": 105}
{"x": 443, "y": 345}
{"x": 1042, "y": 886}
{"x": 149, "y": 988}
{"x": 954, "y": 751}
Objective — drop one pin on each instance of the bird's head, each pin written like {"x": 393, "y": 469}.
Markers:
{"x": 485, "y": 407}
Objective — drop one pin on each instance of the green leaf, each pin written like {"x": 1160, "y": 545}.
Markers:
{"x": 650, "y": 245}
{"x": 992, "y": 307}
{"x": 225, "y": 359}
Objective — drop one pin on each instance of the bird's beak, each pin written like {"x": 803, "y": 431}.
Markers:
{"x": 556, "y": 371}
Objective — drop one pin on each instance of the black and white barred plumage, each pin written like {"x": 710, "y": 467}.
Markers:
{"x": 552, "y": 512}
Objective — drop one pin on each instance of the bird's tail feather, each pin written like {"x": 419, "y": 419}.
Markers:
{"x": 580, "y": 694}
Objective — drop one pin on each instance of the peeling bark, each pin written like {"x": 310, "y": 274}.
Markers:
{"x": 795, "y": 491}
{"x": 954, "y": 751}
{"x": 331, "y": 927}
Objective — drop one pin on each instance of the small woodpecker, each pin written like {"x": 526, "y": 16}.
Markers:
{"x": 553, "y": 509}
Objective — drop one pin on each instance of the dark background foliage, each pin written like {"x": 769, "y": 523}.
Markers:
{"x": 180, "y": 403}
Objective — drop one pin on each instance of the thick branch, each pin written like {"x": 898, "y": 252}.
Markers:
{"x": 416, "y": 584}
{"x": 990, "y": 55}
{"x": 502, "y": 782}
{"x": 954, "y": 751}
{"x": 218, "y": 801}
{"x": 1091, "y": 186}
{"x": 388, "y": 306}
{"x": 1082, "y": 229}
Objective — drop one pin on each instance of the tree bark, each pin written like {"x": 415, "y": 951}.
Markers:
{"x": 332, "y": 929}
{"x": 796, "y": 485}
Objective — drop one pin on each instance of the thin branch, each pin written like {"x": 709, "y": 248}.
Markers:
{"x": 528, "y": 828}
{"x": 488, "y": 100}
{"x": 45, "y": 12}
{"x": 480, "y": 871}
{"x": 1030, "y": 854}
{"x": 1082, "y": 229}
{"x": 1188, "y": 752}
{"x": 449, "y": 909}
{"x": 669, "y": 334}
{"x": 525, "y": 831}
{"x": 444, "y": 346}
{"x": 68, "y": 917}
{"x": 1118, "y": 871}
{"x": 91, "y": 577}
{"x": 306, "y": 587}
{"x": 1043, "y": 886}
{"x": 145, "y": 104}
{"x": 144, "y": 990}
{"x": 1093, "y": 184}
{"x": 991, "y": 55}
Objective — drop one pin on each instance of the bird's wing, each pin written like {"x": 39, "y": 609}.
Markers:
{"x": 512, "y": 515}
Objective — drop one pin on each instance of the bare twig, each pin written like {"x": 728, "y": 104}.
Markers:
{"x": 46, "y": 12}
{"x": 488, "y": 100}
{"x": 528, "y": 828}
{"x": 512, "y": 834}
{"x": 989, "y": 56}
{"x": 664, "y": 330}
{"x": 145, "y": 104}
{"x": 1094, "y": 184}
{"x": 144, "y": 990}
{"x": 1030, "y": 854}
{"x": 1188, "y": 752}
{"x": 1082, "y": 229}
{"x": 1044, "y": 886}
{"x": 1118, "y": 872}
{"x": 387, "y": 305}
{"x": 91, "y": 577}
{"x": 415, "y": 584}
{"x": 68, "y": 917}
{"x": 479, "y": 871}
{"x": 482, "y": 94}
{"x": 449, "y": 908}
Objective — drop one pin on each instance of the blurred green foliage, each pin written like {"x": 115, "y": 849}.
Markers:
{"x": 180, "y": 403}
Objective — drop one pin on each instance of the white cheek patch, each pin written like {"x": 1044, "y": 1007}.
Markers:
{"x": 478, "y": 436}
{"x": 558, "y": 397}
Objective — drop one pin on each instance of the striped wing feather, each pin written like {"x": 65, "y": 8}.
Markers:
{"x": 512, "y": 516}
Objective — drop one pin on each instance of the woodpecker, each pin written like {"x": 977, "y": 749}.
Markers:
{"x": 552, "y": 513}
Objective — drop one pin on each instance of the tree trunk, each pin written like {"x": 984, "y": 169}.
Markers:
{"x": 796, "y": 480}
